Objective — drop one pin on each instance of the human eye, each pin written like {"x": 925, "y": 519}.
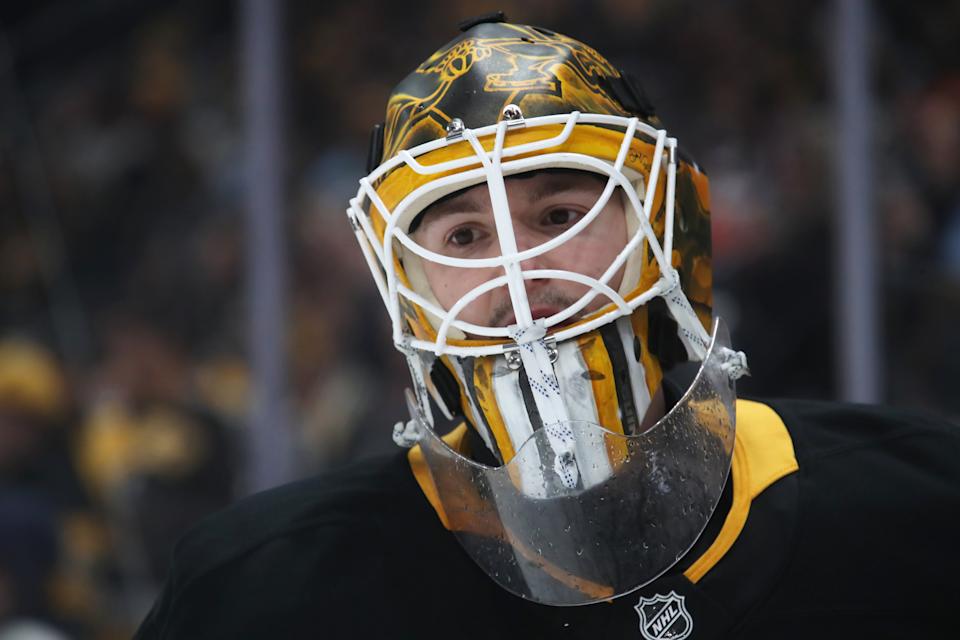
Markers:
{"x": 463, "y": 237}
{"x": 562, "y": 216}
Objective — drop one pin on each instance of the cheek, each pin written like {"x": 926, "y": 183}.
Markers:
{"x": 591, "y": 253}
{"x": 449, "y": 284}
{"x": 443, "y": 284}
{"x": 595, "y": 250}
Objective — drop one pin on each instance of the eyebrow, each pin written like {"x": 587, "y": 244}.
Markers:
{"x": 454, "y": 203}
{"x": 552, "y": 185}
{"x": 556, "y": 184}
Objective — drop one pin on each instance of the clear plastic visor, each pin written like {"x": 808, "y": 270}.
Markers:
{"x": 616, "y": 530}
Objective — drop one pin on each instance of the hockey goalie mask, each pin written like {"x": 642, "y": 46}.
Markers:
{"x": 543, "y": 249}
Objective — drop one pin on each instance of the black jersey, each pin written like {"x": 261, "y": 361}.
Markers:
{"x": 838, "y": 522}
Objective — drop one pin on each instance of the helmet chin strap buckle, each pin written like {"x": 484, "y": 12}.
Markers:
{"x": 511, "y": 353}
{"x": 537, "y": 332}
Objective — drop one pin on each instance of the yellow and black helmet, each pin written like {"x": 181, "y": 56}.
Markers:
{"x": 493, "y": 64}
{"x": 513, "y": 99}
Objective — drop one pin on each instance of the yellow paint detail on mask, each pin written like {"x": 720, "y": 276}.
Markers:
{"x": 588, "y": 140}
{"x": 602, "y": 382}
{"x": 701, "y": 186}
{"x": 487, "y": 399}
{"x": 542, "y": 73}
{"x": 700, "y": 285}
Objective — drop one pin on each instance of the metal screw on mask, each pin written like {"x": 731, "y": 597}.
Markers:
{"x": 455, "y": 129}
{"x": 513, "y": 115}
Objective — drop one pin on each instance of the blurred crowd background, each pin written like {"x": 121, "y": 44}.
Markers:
{"x": 124, "y": 382}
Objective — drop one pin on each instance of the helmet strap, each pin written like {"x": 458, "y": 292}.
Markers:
{"x": 537, "y": 358}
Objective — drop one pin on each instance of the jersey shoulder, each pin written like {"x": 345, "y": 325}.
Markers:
{"x": 877, "y": 492}
{"x": 354, "y": 495}
{"x": 275, "y": 563}
{"x": 823, "y": 430}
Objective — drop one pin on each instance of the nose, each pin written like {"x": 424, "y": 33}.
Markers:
{"x": 525, "y": 241}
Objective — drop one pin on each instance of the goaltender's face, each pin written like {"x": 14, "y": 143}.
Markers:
{"x": 543, "y": 205}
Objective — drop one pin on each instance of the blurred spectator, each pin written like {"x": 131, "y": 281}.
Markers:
{"x": 156, "y": 458}
{"x": 32, "y": 404}
{"x": 52, "y": 547}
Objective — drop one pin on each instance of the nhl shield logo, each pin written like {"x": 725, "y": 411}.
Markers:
{"x": 664, "y": 617}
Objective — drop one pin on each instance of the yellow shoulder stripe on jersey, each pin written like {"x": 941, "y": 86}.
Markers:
{"x": 762, "y": 454}
{"x": 454, "y": 440}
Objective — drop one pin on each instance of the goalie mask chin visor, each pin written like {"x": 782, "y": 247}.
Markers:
{"x": 581, "y": 513}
